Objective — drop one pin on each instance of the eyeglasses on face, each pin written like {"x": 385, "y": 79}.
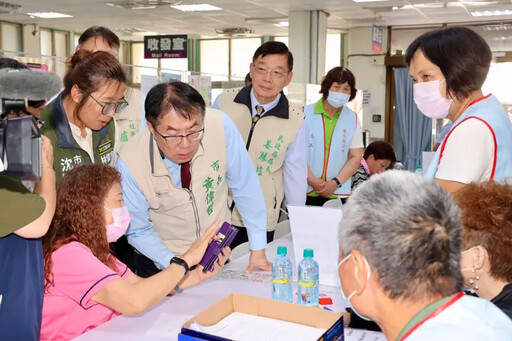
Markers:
{"x": 108, "y": 107}
{"x": 176, "y": 139}
{"x": 276, "y": 74}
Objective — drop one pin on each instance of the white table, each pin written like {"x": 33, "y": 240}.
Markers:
{"x": 164, "y": 321}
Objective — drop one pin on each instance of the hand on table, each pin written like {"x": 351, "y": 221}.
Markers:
{"x": 258, "y": 260}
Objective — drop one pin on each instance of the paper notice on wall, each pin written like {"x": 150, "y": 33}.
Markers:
{"x": 316, "y": 228}
{"x": 146, "y": 83}
{"x": 203, "y": 84}
{"x": 367, "y": 97}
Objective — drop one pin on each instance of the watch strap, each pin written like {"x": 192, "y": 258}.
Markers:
{"x": 179, "y": 261}
{"x": 337, "y": 181}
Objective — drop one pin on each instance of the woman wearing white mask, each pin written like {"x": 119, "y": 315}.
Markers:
{"x": 85, "y": 284}
{"x": 449, "y": 67}
{"x": 399, "y": 263}
{"x": 334, "y": 139}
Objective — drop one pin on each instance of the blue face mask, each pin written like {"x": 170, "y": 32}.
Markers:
{"x": 337, "y": 99}
{"x": 355, "y": 291}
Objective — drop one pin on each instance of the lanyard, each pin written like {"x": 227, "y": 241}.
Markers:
{"x": 433, "y": 314}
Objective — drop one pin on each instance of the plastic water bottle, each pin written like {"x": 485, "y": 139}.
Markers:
{"x": 308, "y": 280}
{"x": 282, "y": 276}
{"x": 419, "y": 171}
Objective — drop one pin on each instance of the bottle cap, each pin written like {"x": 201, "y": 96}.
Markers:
{"x": 281, "y": 251}
{"x": 308, "y": 253}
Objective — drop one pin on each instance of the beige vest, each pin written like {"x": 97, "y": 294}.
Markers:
{"x": 180, "y": 215}
{"x": 271, "y": 137}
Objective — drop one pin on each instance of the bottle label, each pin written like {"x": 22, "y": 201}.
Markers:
{"x": 307, "y": 284}
{"x": 284, "y": 281}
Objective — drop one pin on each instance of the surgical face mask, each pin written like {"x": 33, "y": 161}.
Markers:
{"x": 337, "y": 99}
{"x": 355, "y": 291}
{"x": 429, "y": 100}
{"x": 118, "y": 228}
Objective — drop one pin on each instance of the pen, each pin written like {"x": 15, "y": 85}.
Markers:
{"x": 327, "y": 308}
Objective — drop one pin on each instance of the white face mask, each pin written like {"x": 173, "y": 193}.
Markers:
{"x": 429, "y": 100}
{"x": 337, "y": 99}
{"x": 355, "y": 291}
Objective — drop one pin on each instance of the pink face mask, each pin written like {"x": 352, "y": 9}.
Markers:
{"x": 429, "y": 100}
{"x": 118, "y": 228}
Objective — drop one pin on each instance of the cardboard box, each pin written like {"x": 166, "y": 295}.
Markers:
{"x": 310, "y": 316}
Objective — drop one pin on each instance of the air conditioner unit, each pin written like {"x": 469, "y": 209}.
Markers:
{"x": 143, "y": 4}
{"x": 234, "y": 32}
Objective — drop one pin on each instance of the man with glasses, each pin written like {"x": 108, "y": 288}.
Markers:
{"x": 176, "y": 174}
{"x": 273, "y": 132}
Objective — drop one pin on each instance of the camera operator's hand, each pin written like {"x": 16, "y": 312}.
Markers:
{"x": 47, "y": 152}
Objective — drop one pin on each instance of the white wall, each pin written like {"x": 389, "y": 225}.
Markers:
{"x": 370, "y": 74}
{"x": 31, "y": 41}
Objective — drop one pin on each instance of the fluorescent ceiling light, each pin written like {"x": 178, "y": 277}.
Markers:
{"x": 196, "y": 8}
{"x": 49, "y": 15}
{"x": 370, "y": 0}
{"x": 491, "y": 13}
{"x": 282, "y": 24}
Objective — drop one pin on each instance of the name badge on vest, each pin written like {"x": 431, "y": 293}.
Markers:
{"x": 105, "y": 151}
{"x": 164, "y": 193}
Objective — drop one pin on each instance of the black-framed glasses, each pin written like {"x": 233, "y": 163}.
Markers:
{"x": 176, "y": 139}
{"x": 109, "y": 106}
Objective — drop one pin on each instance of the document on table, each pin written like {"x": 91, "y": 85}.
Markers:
{"x": 363, "y": 335}
{"x": 167, "y": 325}
{"x": 255, "y": 276}
{"x": 238, "y": 326}
{"x": 317, "y": 228}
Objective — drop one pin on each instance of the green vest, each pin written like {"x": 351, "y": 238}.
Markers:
{"x": 66, "y": 151}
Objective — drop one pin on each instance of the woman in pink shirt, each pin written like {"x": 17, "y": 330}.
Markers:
{"x": 86, "y": 285}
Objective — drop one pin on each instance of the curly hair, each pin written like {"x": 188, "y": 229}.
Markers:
{"x": 487, "y": 221}
{"x": 79, "y": 215}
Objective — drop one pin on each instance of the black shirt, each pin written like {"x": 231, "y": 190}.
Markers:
{"x": 504, "y": 300}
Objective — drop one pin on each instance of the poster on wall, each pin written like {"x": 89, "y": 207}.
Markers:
{"x": 168, "y": 46}
{"x": 377, "y": 38}
{"x": 37, "y": 64}
{"x": 203, "y": 84}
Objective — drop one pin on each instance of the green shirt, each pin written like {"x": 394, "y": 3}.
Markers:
{"x": 18, "y": 206}
{"x": 329, "y": 124}
{"x": 422, "y": 314}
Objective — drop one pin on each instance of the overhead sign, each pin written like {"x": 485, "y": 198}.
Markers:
{"x": 377, "y": 38}
{"x": 169, "y": 46}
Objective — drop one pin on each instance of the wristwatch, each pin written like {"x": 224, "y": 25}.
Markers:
{"x": 179, "y": 261}
{"x": 337, "y": 181}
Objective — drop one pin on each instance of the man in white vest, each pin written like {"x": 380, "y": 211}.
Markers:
{"x": 176, "y": 174}
{"x": 273, "y": 131}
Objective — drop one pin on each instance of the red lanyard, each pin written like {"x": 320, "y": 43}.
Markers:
{"x": 433, "y": 314}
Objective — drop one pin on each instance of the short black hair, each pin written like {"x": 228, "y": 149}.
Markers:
{"x": 381, "y": 150}
{"x": 8, "y": 63}
{"x": 340, "y": 75}
{"x": 274, "y": 47}
{"x": 462, "y": 55}
{"x": 186, "y": 101}
{"x": 99, "y": 31}
{"x": 248, "y": 79}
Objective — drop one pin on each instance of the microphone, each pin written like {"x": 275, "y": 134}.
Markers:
{"x": 20, "y": 137}
{"x": 28, "y": 85}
